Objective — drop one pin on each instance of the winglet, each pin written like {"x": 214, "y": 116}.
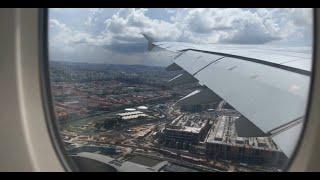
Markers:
{"x": 150, "y": 41}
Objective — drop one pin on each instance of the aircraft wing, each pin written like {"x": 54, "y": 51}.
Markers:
{"x": 268, "y": 85}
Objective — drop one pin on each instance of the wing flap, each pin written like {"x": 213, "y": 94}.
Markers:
{"x": 287, "y": 140}
{"x": 269, "y": 86}
{"x": 173, "y": 67}
{"x": 193, "y": 61}
{"x": 182, "y": 79}
{"x": 267, "y": 96}
{"x": 199, "y": 96}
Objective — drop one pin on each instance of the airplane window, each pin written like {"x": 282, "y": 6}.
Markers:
{"x": 180, "y": 90}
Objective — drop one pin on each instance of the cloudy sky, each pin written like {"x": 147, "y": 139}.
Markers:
{"x": 114, "y": 35}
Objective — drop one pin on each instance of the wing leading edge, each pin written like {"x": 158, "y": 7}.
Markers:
{"x": 269, "y": 87}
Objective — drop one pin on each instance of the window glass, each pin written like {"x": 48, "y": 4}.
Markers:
{"x": 166, "y": 90}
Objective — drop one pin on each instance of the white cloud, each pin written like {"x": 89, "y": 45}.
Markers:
{"x": 119, "y": 30}
{"x": 61, "y": 34}
{"x": 254, "y": 26}
{"x": 130, "y": 23}
{"x": 196, "y": 25}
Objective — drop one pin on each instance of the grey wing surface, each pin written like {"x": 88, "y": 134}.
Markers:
{"x": 268, "y": 85}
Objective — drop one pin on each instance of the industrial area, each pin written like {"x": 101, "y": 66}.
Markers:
{"x": 137, "y": 125}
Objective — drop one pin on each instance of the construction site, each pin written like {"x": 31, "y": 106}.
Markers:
{"x": 222, "y": 142}
{"x": 185, "y": 130}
